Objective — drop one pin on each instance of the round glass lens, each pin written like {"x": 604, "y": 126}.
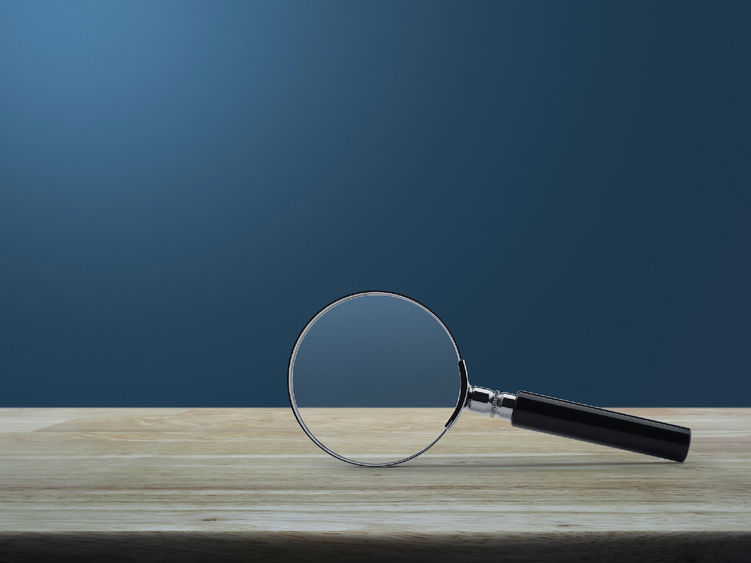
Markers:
{"x": 374, "y": 378}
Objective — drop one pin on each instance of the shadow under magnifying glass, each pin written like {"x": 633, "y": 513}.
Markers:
{"x": 471, "y": 463}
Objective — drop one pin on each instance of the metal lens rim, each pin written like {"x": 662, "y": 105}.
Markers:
{"x": 291, "y": 368}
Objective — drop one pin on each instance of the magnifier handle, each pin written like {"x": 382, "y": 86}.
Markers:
{"x": 600, "y": 426}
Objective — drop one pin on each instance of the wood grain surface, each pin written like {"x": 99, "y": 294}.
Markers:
{"x": 208, "y": 484}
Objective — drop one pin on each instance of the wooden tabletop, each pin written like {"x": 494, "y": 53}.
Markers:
{"x": 179, "y": 484}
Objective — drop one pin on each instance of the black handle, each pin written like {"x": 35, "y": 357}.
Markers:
{"x": 600, "y": 426}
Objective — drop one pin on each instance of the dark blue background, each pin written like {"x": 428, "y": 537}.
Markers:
{"x": 183, "y": 184}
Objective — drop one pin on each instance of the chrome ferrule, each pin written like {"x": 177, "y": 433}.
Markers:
{"x": 494, "y": 403}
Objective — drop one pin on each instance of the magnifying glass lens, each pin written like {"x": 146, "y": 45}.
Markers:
{"x": 374, "y": 378}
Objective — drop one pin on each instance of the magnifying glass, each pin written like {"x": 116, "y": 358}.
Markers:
{"x": 376, "y": 378}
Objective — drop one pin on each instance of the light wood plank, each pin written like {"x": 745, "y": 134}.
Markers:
{"x": 253, "y": 471}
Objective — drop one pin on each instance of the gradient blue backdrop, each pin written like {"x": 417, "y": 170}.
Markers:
{"x": 183, "y": 184}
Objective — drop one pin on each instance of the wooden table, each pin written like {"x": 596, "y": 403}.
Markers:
{"x": 177, "y": 484}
